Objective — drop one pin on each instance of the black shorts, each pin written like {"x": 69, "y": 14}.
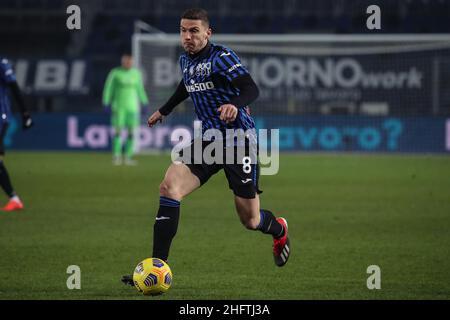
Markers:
{"x": 3, "y": 129}
{"x": 242, "y": 174}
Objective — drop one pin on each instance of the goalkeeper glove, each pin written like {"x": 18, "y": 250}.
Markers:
{"x": 27, "y": 122}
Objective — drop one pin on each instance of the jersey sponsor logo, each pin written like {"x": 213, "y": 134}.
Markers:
{"x": 202, "y": 86}
{"x": 235, "y": 67}
{"x": 225, "y": 54}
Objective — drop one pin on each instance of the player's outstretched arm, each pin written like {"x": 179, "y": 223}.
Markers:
{"x": 248, "y": 93}
{"x": 179, "y": 95}
{"x": 27, "y": 122}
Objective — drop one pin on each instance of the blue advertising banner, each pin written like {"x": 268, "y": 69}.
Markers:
{"x": 86, "y": 131}
{"x": 344, "y": 133}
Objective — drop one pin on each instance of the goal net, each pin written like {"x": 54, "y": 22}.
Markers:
{"x": 319, "y": 76}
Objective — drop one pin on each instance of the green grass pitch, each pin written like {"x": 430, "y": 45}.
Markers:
{"x": 345, "y": 213}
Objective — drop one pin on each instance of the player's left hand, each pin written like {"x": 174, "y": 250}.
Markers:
{"x": 27, "y": 122}
{"x": 228, "y": 113}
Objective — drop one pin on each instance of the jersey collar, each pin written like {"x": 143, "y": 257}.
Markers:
{"x": 202, "y": 53}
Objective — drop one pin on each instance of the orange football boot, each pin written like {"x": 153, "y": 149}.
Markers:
{"x": 13, "y": 205}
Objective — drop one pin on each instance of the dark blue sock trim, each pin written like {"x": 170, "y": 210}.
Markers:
{"x": 164, "y": 201}
{"x": 168, "y": 199}
{"x": 168, "y": 202}
{"x": 261, "y": 221}
{"x": 168, "y": 205}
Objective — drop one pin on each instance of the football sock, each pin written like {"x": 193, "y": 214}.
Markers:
{"x": 5, "y": 182}
{"x": 129, "y": 146}
{"x": 165, "y": 227}
{"x": 269, "y": 225}
{"x": 117, "y": 146}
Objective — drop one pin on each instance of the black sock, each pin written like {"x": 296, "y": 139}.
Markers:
{"x": 269, "y": 224}
{"x": 5, "y": 182}
{"x": 165, "y": 227}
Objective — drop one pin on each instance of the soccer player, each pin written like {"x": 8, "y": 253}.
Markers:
{"x": 221, "y": 89}
{"x": 8, "y": 85}
{"x": 122, "y": 93}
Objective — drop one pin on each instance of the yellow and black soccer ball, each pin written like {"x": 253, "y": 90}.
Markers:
{"x": 152, "y": 276}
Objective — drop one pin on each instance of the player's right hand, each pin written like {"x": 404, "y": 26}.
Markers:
{"x": 154, "y": 118}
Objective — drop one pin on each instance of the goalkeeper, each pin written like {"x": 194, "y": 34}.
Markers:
{"x": 122, "y": 94}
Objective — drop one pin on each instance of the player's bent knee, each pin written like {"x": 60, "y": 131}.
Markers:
{"x": 168, "y": 190}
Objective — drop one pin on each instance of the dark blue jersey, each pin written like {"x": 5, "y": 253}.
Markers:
{"x": 208, "y": 79}
{"x": 6, "y": 77}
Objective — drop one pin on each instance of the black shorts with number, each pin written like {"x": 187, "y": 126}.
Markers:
{"x": 242, "y": 174}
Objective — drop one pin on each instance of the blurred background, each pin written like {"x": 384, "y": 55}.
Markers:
{"x": 326, "y": 81}
{"x": 364, "y": 171}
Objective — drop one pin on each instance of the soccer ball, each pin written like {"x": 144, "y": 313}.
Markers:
{"x": 152, "y": 276}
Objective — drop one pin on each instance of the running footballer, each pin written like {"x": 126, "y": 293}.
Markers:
{"x": 221, "y": 89}
{"x": 8, "y": 88}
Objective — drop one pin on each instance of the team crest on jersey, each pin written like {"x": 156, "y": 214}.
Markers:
{"x": 203, "y": 69}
